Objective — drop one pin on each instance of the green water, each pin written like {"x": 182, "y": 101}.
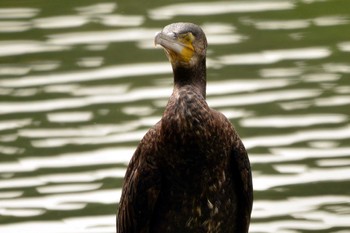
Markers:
{"x": 81, "y": 82}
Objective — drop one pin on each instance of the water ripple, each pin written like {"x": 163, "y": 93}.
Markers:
{"x": 274, "y": 56}
{"x": 260, "y": 98}
{"x": 266, "y": 182}
{"x": 293, "y": 121}
{"x": 93, "y": 37}
{"x": 67, "y": 188}
{"x": 74, "y": 106}
{"x": 344, "y": 46}
{"x": 97, "y": 9}
{"x": 64, "y": 117}
{"x": 112, "y": 72}
{"x": 102, "y": 156}
{"x": 288, "y": 154}
{"x": 16, "y": 13}
{"x": 298, "y": 23}
{"x": 299, "y": 136}
{"x": 14, "y": 124}
{"x": 66, "y": 201}
{"x": 305, "y": 214}
{"x": 66, "y": 21}
{"x": 10, "y": 48}
{"x": 13, "y": 26}
{"x": 216, "y": 8}
{"x": 100, "y": 223}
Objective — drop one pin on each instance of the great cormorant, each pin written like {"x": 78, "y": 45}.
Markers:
{"x": 190, "y": 173}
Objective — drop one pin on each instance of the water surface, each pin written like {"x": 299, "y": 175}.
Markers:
{"x": 81, "y": 83}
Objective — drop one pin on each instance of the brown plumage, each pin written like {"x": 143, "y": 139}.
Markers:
{"x": 190, "y": 173}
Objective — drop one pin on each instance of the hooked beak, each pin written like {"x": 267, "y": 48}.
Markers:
{"x": 176, "y": 50}
{"x": 168, "y": 41}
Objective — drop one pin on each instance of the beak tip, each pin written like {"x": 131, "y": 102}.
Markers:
{"x": 157, "y": 39}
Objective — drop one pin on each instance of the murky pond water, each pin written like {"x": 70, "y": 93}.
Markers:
{"x": 80, "y": 84}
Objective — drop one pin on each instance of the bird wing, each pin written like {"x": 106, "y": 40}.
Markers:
{"x": 241, "y": 175}
{"x": 141, "y": 188}
{"x": 243, "y": 178}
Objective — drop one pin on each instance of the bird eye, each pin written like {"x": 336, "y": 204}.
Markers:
{"x": 190, "y": 36}
{"x": 187, "y": 37}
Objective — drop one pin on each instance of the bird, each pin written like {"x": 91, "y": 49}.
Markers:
{"x": 190, "y": 172}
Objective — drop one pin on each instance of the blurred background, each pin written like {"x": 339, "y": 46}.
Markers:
{"x": 81, "y": 83}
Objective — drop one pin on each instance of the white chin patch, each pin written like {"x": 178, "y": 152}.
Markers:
{"x": 177, "y": 48}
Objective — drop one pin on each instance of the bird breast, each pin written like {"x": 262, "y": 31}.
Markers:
{"x": 188, "y": 113}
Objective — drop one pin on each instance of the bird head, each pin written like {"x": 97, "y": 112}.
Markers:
{"x": 185, "y": 44}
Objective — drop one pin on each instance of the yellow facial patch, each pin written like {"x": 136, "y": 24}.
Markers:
{"x": 179, "y": 49}
{"x": 187, "y": 50}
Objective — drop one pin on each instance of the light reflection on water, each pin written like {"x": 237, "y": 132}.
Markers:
{"x": 217, "y": 8}
{"x": 18, "y": 13}
{"x": 76, "y": 100}
{"x": 121, "y": 71}
{"x": 268, "y": 57}
{"x": 298, "y": 24}
{"x": 10, "y": 48}
{"x": 293, "y": 121}
{"x": 300, "y": 136}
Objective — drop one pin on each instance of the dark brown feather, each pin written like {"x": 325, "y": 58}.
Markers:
{"x": 191, "y": 172}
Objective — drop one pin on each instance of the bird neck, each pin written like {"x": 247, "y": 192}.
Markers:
{"x": 194, "y": 76}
